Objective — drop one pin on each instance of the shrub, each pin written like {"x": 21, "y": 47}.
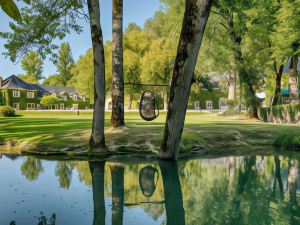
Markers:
{"x": 287, "y": 141}
{"x": 49, "y": 100}
{"x": 7, "y": 111}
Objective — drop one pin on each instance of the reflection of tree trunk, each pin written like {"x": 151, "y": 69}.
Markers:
{"x": 277, "y": 93}
{"x": 231, "y": 176}
{"x": 117, "y": 92}
{"x": 277, "y": 176}
{"x": 292, "y": 190}
{"x": 193, "y": 26}
{"x": 97, "y": 138}
{"x": 117, "y": 179}
{"x": 292, "y": 181}
{"x": 172, "y": 192}
{"x": 97, "y": 172}
{"x": 293, "y": 80}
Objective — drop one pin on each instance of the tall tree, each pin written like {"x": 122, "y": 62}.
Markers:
{"x": 45, "y": 21}
{"x": 286, "y": 39}
{"x": 64, "y": 63}
{"x": 32, "y": 64}
{"x": 97, "y": 138}
{"x": 117, "y": 92}
{"x": 193, "y": 26}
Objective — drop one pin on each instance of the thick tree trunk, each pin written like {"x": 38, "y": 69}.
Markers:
{"x": 277, "y": 93}
{"x": 173, "y": 193}
{"x": 252, "y": 102}
{"x": 117, "y": 115}
{"x": 97, "y": 138}
{"x": 117, "y": 179}
{"x": 277, "y": 177}
{"x": 232, "y": 86}
{"x": 97, "y": 172}
{"x": 293, "y": 80}
{"x": 194, "y": 22}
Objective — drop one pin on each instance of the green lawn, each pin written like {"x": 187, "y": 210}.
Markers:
{"x": 52, "y": 131}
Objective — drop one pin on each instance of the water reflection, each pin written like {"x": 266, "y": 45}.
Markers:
{"x": 230, "y": 190}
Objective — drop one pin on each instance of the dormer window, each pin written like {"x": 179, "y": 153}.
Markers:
{"x": 16, "y": 93}
{"x": 75, "y": 98}
{"x": 30, "y": 94}
{"x": 65, "y": 98}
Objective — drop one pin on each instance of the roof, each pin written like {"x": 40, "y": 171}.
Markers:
{"x": 14, "y": 82}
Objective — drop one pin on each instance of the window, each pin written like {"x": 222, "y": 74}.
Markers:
{"x": 197, "y": 105}
{"x": 209, "y": 105}
{"x": 38, "y": 106}
{"x": 30, "y": 94}
{"x": 30, "y": 106}
{"x": 75, "y": 97}
{"x": 222, "y": 103}
{"x": 62, "y": 106}
{"x": 65, "y": 98}
{"x": 223, "y": 88}
{"x": 16, "y": 105}
{"x": 56, "y": 106}
{"x": 75, "y": 106}
{"x": 16, "y": 93}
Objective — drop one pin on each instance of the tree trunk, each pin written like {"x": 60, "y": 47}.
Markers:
{"x": 97, "y": 172}
{"x": 277, "y": 177}
{"x": 194, "y": 22}
{"x": 97, "y": 138}
{"x": 130, "y": 101}
{"x": 172, "y": 193}
{"x": 277, "y": 93}
{"x": 117, "y": 115}
{"x": 293, "y": 80}
{"x": 232, "y": 86}
{"x": 165, "y": 97}
{"x": 117, "y": 179}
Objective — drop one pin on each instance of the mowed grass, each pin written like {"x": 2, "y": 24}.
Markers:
{"x": 46, "y": 131}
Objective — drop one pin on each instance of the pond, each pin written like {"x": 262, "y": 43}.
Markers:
{"x": 249, "y": 189}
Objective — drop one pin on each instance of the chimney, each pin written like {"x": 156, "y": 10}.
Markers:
{"x": 1, "y": 80}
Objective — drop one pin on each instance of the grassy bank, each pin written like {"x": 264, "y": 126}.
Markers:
{"x": 55, "y": 131}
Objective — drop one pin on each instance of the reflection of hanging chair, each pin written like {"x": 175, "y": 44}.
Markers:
{"x": 148, "y": 106}
{"x": 148, "y": 178}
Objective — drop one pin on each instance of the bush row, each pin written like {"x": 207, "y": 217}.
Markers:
{"x": 281, "y": 114}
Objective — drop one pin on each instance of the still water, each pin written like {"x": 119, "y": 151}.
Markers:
{"x": 228, "y": 190}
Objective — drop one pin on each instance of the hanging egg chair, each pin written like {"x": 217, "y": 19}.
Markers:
{"x": 148, "y": 178}
{"x": 148, "y": 106}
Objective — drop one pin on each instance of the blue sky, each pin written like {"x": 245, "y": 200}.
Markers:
{"x": 137, "y": 11}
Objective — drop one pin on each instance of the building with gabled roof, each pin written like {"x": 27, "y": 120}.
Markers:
{"x": 21, "y": 95}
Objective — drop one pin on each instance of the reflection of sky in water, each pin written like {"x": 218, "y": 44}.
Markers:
{"x": 212, "y": 190}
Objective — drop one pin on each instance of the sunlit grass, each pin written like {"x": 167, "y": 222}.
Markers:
{"x": 58, "y": 130}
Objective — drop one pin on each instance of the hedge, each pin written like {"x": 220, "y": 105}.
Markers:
{"x": 281, "y": 114}
{"x": 7, "y": 111}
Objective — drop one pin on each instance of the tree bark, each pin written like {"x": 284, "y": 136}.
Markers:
{"x": 278, "y": 77}
{"x": 194, "y": 22}
{"x": 293, "y": 80}
{"x": 97, "y": 172}
{"x": 130, "y": 101}
{"x": 252, "y": 102}
{"x": 173, "y": 193}
{"x": 117, "y": 116}
{"x": 117, "y": 179}
{"x": 97, "y": 138}
{"x": 232, "y": 86}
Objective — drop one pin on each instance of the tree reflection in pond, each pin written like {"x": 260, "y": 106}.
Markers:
{"x": 32, "y": 168}
{"x": 63, "y": 171}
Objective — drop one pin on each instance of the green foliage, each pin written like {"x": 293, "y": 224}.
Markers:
{"x": 7, "y": 111}
{"x": 53, "y": 80}
{"x": 11, "y": 9}
{"x": 288, "y": 141}
{"x": 32, "y": 64}
{"x": 42, "y": 23}
{"x": 64, "y": 64}
{"x": 32, "y": 168}
{"x": 49, "y": 100}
